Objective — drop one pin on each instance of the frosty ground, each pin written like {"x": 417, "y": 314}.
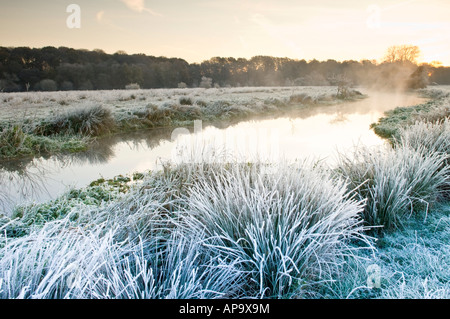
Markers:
{"x": 248, "y": 230}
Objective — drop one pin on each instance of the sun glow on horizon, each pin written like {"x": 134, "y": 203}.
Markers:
{"x": 199, "y": 30}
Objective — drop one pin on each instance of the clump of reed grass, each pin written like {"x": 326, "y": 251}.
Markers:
{"x": 185, "y": 100}
{"x": 88, "y": 121}
{"x": 301, "y": 98}
{"x": 13, "y": 140}
{"x": 393, "y": 181}
{"x": 290, "y": 227}
{"x": 61, "y": 261}
{"x": 432, "y": 136}
{"x": 16, "y": 141}
{"x": 166, "y": 114}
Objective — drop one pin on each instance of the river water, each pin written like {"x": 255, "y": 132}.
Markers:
{"x": 316, "y": 133}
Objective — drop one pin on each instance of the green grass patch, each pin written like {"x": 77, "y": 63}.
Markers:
{"x": 401, "y": 117}
{"x": 16, "y": 142}
{"x": 99, "y": 192}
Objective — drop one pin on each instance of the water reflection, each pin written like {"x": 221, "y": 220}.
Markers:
{"x": 39, "y": 179}
{"x": 314, "y": 131}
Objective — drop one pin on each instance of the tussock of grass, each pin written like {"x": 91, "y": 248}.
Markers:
{"x": 290, "y": 227}
{"x": 67, "y": 133}
{"x": 394, "y": 181}
{"x": 13, "y": 140}
{"x": 434, "y": 137}
{"x": 16, "y": 142}
{"x": 301, "y": 98}
{"x": 88, "y": 121}
{"x": 60, "y": 261}
{"x": 185, "y": 101}
{"x": 159, "y": 115}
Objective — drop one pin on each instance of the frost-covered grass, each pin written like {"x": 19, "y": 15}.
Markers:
{"x": 62, "y": 261}
{"x": 43, "y": 104}
{"x": 404, "y": 183}
{"x": 18, "y": 141}
{"x": 413, "y": 263}
{"x": 235, "y": 230}
{"x": 433, "y": 137}
{"x": 192, "y": 231}
{"x": 424, "y": 128}
{"x": 124, "y": 103}
{"x": 395, "y": 182}
{"x": 290, "y": 227}
{"x": 434, "y": 111}
{"x": 91, "y": 120}
{"x": 417, "y": 259}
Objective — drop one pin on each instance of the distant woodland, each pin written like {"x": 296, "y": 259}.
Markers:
{"x": 64, "y": 69}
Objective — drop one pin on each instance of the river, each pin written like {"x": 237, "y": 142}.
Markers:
{"x": 318, "y": 132}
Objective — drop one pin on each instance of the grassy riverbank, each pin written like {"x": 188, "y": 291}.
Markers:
{"x": 61, "y": 122}
{"x": 436, "y": 110}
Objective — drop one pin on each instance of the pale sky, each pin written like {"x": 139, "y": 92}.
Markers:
{"x": 196, "y": 30}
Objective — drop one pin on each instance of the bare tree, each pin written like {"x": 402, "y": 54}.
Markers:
{"x": 402, "y": 53}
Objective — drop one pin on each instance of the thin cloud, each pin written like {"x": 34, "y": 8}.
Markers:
{"x": 139, "y": 6}
{"x": 102, "y": 19}
{"x": 282, "y": 34}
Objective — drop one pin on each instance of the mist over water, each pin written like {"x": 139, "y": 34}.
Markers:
{"x": 317, "y": 132}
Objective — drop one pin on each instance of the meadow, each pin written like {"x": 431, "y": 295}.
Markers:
{"x": 376, "y": 225}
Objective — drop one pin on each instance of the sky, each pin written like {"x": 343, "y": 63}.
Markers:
{"x": 197, "y": 30}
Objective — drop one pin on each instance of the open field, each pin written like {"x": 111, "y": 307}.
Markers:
{"x": 43, "y": 104}
{"x": 52, "y": 122}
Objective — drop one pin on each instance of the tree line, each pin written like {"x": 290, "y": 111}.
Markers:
{"x": 52, "y": 69}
